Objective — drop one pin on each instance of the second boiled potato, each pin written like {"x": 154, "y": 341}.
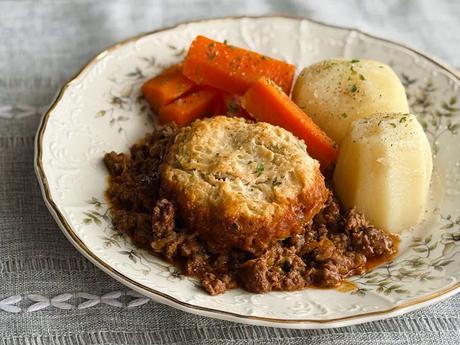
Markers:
{"x": 334, "y": 93}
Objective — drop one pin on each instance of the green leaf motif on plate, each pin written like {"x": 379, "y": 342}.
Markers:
{"x": 426, "y": 257}
{"x": 437, "y": 117}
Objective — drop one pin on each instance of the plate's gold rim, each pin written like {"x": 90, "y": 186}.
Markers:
{"x": 68, "y": 231}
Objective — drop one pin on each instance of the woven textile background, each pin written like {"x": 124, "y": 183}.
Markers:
{"x": 50, "y": 294}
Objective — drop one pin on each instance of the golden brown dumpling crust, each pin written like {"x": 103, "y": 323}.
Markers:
{"x": 240, "y": 184}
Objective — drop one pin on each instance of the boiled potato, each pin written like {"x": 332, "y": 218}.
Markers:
{"x": 334, "y": 93}
{"x": 384, "y": 170}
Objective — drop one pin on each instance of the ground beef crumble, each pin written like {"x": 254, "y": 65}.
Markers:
{"x": 134, "y": 184}
{"x": 335, "y": 245}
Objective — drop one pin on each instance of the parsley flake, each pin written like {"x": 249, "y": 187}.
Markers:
{"x": 233, "y": 107}
{"x": 353, "y": 88}
{"x": 259, "y": 169}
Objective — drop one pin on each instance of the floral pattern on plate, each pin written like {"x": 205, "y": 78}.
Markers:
{"x": 101, "y": 110}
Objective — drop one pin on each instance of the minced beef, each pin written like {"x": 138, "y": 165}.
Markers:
{"x": 335, "y": 245}
{"x": 134, "y": 184}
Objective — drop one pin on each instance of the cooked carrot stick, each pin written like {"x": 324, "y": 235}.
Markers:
{"x": 233, "y": 69}
{"x": 219, "y": 107}
{"x": 188, "y": 108}
{"x": 166, "y": 87}
{"x": 173, "y": 68}
{"x": 265, "y": 101}
{"x": 229, "y": 105}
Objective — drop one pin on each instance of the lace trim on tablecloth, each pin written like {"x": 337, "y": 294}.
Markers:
{"x": 18, "y": 111}
{"x": 65, "y": 301}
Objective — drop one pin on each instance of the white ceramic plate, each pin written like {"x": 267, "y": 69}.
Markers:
{"x": 100, "y": 110}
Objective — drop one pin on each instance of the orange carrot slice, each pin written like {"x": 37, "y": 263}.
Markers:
{"x": 219, "y": 107}
{"x": 265, "y": 101}
{"x": 186, "y": 109}
{"x": 233, "y": 69}
{"x": 166, "y": 87}
{"x": 228, "y": 105}
{"x": 173, "y": 68}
